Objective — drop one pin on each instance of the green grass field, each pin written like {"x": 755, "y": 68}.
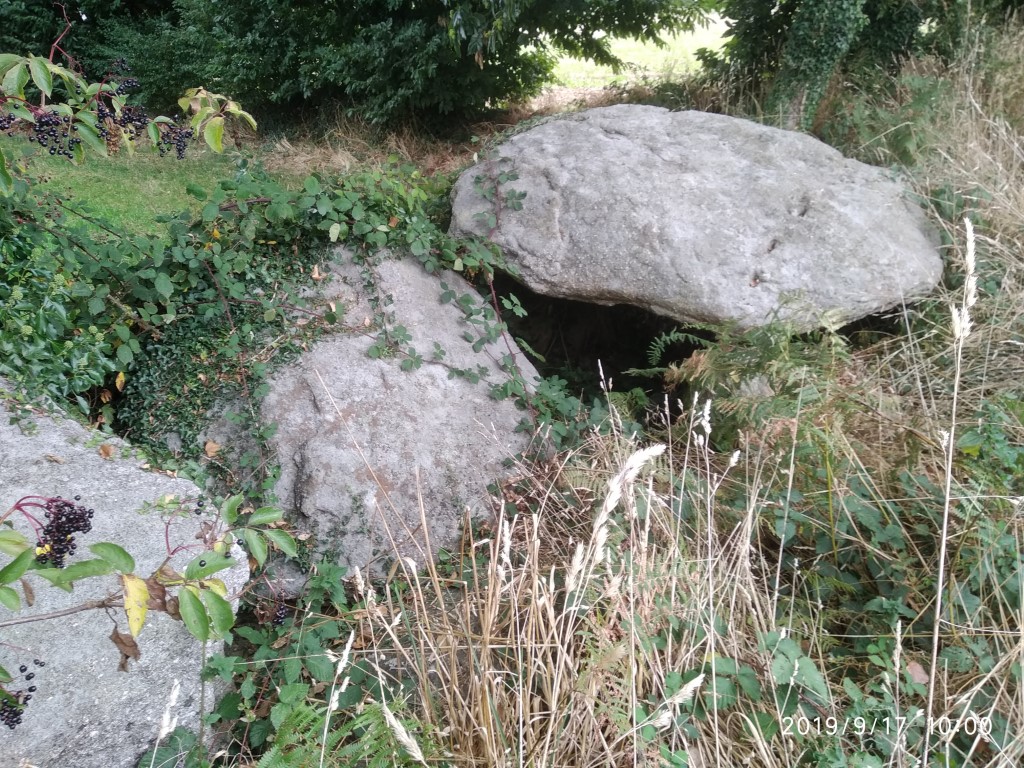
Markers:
{"x": 129, "y": 191}
{"x": 678, "y": 55}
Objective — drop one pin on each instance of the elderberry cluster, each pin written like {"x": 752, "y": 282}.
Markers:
{"x": 55, "y": 133}
{"x": 63, "y": 520}
{"x": 12, "y": 709}
{"x": 174, "y": 137}
{"x": 280, "y": 614}
{"x": 128, "y": 84}
{"x": 6, "y": 121}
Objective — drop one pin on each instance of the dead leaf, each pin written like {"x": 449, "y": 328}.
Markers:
{"x": 211, "y": 449}
{"x": 172, "y": 608}
{"x": 30, "y": 594}
{"x": 106, "y": 395}
{"x": 393, "y": 222}
{"x": 54, "y": 459}
{"x": 316, "y": 273}
{"x": 157, "y": 594}
{"x": 167, "y": 575}
{"x": 107, "y": 451}
{"x": 127, "y": 646}
{"x": 917, "y": 673}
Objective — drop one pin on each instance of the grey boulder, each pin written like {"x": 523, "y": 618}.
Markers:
{"x": 84, "y": 712}
{"x": 381, "y": 462}
{"x": 701, "y": 217}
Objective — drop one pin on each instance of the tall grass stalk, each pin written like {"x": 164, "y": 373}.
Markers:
{"x": 961, "y": 324}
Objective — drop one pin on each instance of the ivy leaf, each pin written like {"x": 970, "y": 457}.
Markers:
{"x": 136, "y": 602}
{"x": 194, "y": 614}
{"x": 114, "y": 555}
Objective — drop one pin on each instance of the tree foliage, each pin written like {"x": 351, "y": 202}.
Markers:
{"x": 385, "y": 58}
{"x": 790, "y": 50}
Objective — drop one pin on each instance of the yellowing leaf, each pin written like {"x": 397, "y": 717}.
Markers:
{"x": 136, "y": 599}
{"x": 119, "y": 381}
{"x": 215, "y": 585}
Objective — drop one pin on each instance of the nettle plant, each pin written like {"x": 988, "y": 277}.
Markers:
{"x": 196, "y": 596}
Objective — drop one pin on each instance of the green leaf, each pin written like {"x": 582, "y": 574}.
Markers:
{"x": 229, "y": 510}
{"x": 6, "y": 182}
{"x": 312, "y": 185}
{"x": 163, "y": 285}
{"x": 13, "y": 543}
{"x": 219, "y": 609}
{"x": 282, "y": 540}
{"x": 207, "y": 564}
{"x": 265, "y": 515}
{"x": 84, "y": 570}
{"x": 213, "y": 134}
{"x": 195, "y": 191}
{"x": 91, "y": 138}
{"x": 15, "y": 80}
{"x": 210, "y": 212}
{"x": 115, "y": 555}
{"x": 193, "y": 614}
{"x": 41, "y": 74}
{"x": 15, "y": 569}
{"x": 335, "y": 232}
{"x": 10, "y": 598}
{"x": 256, "y": 544}
{"x": 8, "y": 60}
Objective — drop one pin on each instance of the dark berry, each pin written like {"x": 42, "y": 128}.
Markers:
{"x": 23, "y": 669}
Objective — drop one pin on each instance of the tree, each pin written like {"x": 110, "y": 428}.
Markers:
{"x": 790, "y": 50}
{"x": 386, "y": 58}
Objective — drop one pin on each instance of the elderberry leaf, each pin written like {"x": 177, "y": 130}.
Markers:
{"x": 6, "y": 182}
{"x": 213, "y": 134}
{"x": 282, "y": 540}
{"x": 85, "y": 569}
{"x": 206, "y": 564}
{"x": 15, "y": 569}
{"x": 115, "y": 555}
{"x": 265, "y": 515}
{"x": 13, "y": 543}
{"x": 256, "y": 545}
{"x": 229, "y": 510}
{"x": 10, "y": 598}
{"x": 41, "y": 74}
{"x": 15, "y": 80}
{"x": 194, "y": 614}
{"x": 136, "y": 602}
{"x": 221, "y": 615}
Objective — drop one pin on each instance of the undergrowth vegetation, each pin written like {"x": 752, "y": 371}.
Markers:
{"x": 807, "y": 554}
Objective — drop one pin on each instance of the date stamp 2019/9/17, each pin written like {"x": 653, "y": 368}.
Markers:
{"x": 969, "y": 724}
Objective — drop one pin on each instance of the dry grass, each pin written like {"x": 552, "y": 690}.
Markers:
{"x": 600, "y": 620}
